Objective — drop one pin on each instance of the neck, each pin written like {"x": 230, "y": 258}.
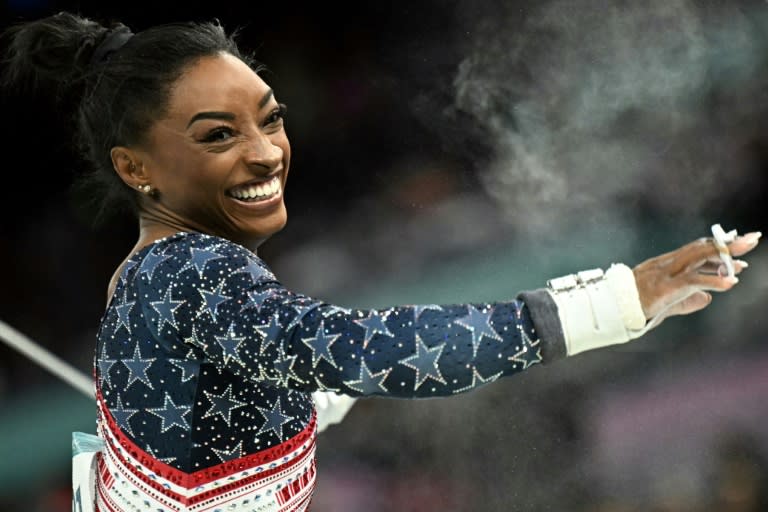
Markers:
{"x": 153, "y": 227}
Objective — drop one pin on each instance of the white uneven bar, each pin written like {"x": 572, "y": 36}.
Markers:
{"x": 50, "y": 362}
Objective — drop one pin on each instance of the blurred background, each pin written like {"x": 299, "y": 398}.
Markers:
{"x": 455, "y": 151}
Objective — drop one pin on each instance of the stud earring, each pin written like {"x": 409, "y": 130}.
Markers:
{"x": 145, "y": 188}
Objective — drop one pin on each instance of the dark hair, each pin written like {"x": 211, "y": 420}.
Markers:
{"x": 117, "y": 96}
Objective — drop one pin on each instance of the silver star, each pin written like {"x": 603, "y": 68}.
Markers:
{"x": 186, "y": 365}
{"x": 420, "y": 308}
{"x": 369, "y": 383}
{"x": 151, "y": 262}
{"x": 194, "y": 340}
{"x": 424, "y": 361}
{"x": 122, "y": 415}
{"x": 478, "y": 380}
{"x": 137, "y": 368}
{"x": 171, "y": 415}
{"x": 479, "y": 324}
{"x": 166, "y": 308}
{"x": 373, "y": 325}
{"x": 123, "y": 314}
{"x": 222, "y": 404}
{"x": 212, "y": 300}
{"x": 321, "y": 345}
{"x": 274, "y": 419}
{"x": 199, "y": 259}
{"x": 229, "y": 345}
{"x": 234, "y": 453}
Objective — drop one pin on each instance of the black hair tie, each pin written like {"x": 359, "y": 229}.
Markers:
{"x": 112, "y": 42}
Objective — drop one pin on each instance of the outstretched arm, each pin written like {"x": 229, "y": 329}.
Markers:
{"x": 675, "y": 283}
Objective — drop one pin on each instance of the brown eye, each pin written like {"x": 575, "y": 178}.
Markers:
{"x": 220, "y": 134}
{"x": 278, "y": 114}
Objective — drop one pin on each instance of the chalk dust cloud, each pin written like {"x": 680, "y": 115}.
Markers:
{"x": 595, "y": 107}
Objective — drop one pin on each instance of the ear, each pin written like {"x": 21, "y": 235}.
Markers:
{"x": 128, "y": 165}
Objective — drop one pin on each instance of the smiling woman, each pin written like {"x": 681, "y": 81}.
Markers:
{"x": 208, "y": 371}
{"x": 219, "y": 157}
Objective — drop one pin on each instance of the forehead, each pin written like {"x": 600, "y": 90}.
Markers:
{"x": 215, "y": 83}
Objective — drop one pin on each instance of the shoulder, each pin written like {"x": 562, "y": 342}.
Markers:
{"x": 194, "y": 247}
{"x": 190, "y": 243}
{"x": 201, "y": 255}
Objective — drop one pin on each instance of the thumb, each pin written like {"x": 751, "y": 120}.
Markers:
{"x": 694, "y": 302}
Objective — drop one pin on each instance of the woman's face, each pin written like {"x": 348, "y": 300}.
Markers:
{"x": 219, "y": 159}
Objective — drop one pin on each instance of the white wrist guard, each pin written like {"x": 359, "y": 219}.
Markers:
{"x": 597, "y": 308}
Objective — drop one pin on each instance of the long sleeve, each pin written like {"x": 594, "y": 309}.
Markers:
{"x": 221, "y": 299}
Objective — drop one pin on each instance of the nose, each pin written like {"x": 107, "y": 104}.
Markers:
{"x": 263, "y": 152}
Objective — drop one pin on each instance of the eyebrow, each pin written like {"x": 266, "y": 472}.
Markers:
{"x": 267, "y": 96}
{"x": 227, "y": 116}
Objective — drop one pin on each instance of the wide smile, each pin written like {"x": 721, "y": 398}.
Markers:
{"x": 258, "y": 194}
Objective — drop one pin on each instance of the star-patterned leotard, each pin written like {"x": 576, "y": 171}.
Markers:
{"x": 205, "y": 366}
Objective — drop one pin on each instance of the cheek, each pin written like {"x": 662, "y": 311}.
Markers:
{"x": 187, "y": 183}
{"x": 204, "y": 170}
{"x": 286, "y": 147}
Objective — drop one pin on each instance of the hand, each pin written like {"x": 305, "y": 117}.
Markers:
{"x": 681, "y": 280}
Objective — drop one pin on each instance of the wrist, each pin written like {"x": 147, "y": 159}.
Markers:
{"x": 622, "y": 282}
{"x": 597, "y": 308}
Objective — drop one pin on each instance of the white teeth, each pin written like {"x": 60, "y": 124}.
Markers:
{"x": 260, "y": 191}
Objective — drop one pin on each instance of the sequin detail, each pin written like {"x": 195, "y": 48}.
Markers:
{"x": 281, "y": 478}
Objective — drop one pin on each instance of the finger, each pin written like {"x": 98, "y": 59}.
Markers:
{"x": 744, "y": 244}
{"x": 710, "y": 282}
{"x": 717, "y": 268}
{"x": 693, "y": 255}
{"x": 694, "y": 302}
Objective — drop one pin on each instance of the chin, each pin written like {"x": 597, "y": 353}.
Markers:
{"x": 267, "y": 227}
